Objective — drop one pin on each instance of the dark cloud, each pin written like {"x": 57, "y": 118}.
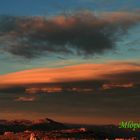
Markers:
{"x": 93, "y": 106}
{"x": 83, "y": 34}
{"x": 122, "y": 77}
{"x": 12, "y": 89}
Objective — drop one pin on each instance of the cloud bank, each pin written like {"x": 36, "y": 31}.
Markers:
{"x": 81, "y": 33}
{"x": 78, "y": 78}
{"x": 99, "y": 93}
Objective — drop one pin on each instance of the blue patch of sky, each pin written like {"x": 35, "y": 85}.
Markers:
{"x": 44, "y": 7}
{"x": 127, "y": 48}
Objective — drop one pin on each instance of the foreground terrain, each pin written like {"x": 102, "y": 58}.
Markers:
{"x": 47, "y": 129}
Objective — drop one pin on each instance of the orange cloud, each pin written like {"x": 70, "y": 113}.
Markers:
{"x": 111, "y": 85}
{"x": 117, "y": 74}
{"x": 43, "y": 90}
{"x": 25, "y": 99}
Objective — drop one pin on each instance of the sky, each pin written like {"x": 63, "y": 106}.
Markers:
{"x": 73, "y": 61}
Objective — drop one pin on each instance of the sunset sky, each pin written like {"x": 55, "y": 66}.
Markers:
{"x": 75, "y": 61}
